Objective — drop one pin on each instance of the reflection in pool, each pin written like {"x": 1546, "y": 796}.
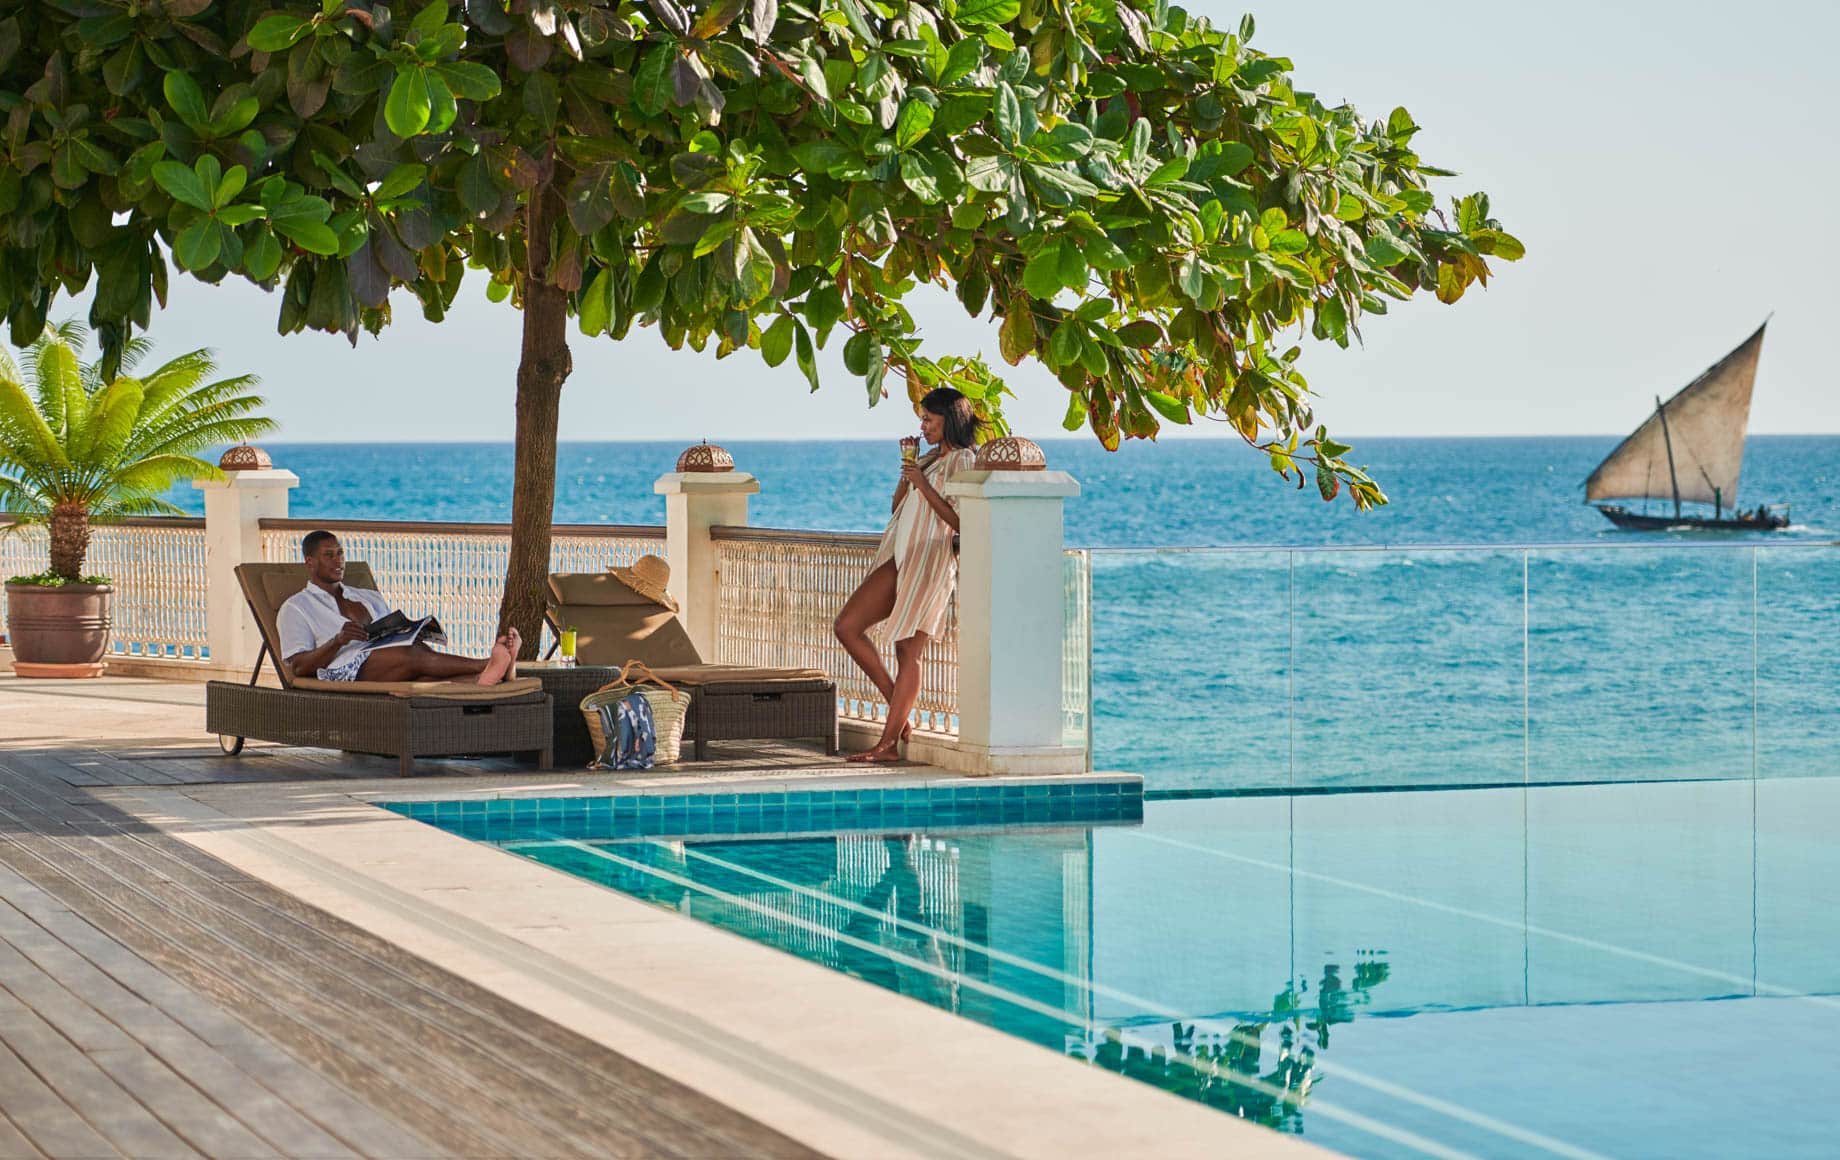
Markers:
{"x": 1581, "y": 970}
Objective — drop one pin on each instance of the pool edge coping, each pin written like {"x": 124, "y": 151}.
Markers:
{"x": 703, "y": 998}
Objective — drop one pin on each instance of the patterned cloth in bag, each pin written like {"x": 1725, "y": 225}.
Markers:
{"x": 632, "y": 737}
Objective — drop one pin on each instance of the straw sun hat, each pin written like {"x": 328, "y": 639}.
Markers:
{"x": 648, "y": 576}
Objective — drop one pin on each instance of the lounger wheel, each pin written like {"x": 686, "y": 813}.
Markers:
{"x": 230, "y": 745}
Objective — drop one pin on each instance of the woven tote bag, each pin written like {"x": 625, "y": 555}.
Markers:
{"x": 670, "y": 708}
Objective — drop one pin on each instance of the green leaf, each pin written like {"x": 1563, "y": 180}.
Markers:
{"x": 595, "y": 311}
{"x": 237, "y": 215}
{"x": 186, "y": 99}
{"x": 1076, "y": 412}
{"x": 1141, "y": 334}
{"x": 808, "y": 361}
{"x": 776, "y": 342}
{"x": 1009, "y": 116}
{"x": 1042, "y": 276}
{"x": 311, "y": 236}
{"x": 1382, "y": 251}
{"x": 915, "y": 118}
{"x": 918, "y": 176}
{"x": 197, "y": 245}
{"x": 1289, "y": 242}
{"x": 964, "y": 56}
{"x": 972, "y": 12}
{"x": 399, "y": 181}
{"x": 709, "y": 201}
{"x": 1169, "y": 407}
{"x": 409, "y": 105}
{"x": 277, "y": 32}
{"x": 857, "y": 351}
{"x": 652, "y": 87}
{"x": 468, "y": 80}
{"x": 430, "y": 18}
{"x": 231, "y": 185}
{"x": 182, "y": 184}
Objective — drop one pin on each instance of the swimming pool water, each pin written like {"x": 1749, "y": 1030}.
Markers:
{"x": 1617, "y": 970}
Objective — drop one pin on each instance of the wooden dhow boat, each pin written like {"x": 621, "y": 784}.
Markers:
{"x": 1690, "y": 451}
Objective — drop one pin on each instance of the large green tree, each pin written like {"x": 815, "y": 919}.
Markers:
{"x": 1145, "y": 203}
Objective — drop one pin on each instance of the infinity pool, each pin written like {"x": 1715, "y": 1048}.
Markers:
{"x": 1586, "y": 970}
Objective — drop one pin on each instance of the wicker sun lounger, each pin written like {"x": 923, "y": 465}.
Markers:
{"x": 613, "y": 625}
{"x": 404, "y": 719}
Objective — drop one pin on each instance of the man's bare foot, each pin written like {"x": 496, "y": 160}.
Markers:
{"x": 498, "y": 664}
{"x": 515, "y": 641}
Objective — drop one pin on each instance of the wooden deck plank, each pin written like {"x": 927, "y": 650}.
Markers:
{"x": 589, "y": 1082}
{"x": 13, "y": 1143}
{"x": 188, "y": 1114}
{"x": 101, "y": 1102}
{"x": 256, "y": 1024}
{"x": 40, "y": 992}
{"x": 52, "y": 1125}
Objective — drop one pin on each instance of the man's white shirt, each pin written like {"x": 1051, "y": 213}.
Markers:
{"x": 311, "y": 617}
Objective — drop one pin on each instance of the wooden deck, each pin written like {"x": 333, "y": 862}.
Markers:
{"x": 156, "y": 1002}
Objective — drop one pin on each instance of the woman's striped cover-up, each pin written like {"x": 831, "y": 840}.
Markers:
{"x": 920, "y": 545}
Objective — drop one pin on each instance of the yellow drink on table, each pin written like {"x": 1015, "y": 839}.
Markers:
{"x": 566, "y": 642}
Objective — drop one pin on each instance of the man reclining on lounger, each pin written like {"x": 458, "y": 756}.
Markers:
{"x": 322, "y": 631}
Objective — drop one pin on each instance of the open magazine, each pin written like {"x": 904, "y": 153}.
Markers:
{"x": 394, "y": 628}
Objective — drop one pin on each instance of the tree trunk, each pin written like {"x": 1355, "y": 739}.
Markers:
{"x": 542, "y": 368}
{"x": 69, "y": 534}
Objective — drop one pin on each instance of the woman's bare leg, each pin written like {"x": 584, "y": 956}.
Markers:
{"x": 870, "y": 604}
{"x": 908, "y": 656}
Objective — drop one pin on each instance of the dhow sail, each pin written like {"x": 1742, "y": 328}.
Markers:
{"x": 1692, "y": 448}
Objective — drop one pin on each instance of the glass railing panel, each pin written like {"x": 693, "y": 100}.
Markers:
{"x": 1191, "y": 667}
{"x": 1639, "y": 663}
{"x": 1638, "y": 893}
{"x": 1798, "y": 862}
{"x": 1409, "y": 902}
{"x": 1409, "y": 668}
{"x": 1076, "y": 651}
{"x": 1798, "y": 680}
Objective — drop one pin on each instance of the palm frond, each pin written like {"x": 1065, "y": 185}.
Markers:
{"x": 158, "y": 473}
{"x": 25, "y": 424}
{"x": 61, "y": 397}
{"x": 114, "y": 415}
{"x": 129, "y": 506}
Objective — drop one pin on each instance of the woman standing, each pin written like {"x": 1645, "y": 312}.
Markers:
{"x": 911, "y": 577}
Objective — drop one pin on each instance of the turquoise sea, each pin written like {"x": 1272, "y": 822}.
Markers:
{"x": 1485, "y": 628}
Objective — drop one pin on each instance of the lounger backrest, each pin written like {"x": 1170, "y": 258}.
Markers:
{"x": 268, "y": 586}
{"x": 613, "y": 624}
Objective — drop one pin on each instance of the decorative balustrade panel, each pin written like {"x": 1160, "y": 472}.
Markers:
{"x": 456, "y": 572}
{"x": 779, "y": 596}
{"x": 158, "y": 569}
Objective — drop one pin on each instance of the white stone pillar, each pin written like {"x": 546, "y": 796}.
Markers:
{"x": 234, "y": 507}
{"x": 705, "y": 492}
{"x": 1011, "y": 600}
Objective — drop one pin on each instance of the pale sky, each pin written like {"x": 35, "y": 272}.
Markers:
{"x": 1670, "y": 166}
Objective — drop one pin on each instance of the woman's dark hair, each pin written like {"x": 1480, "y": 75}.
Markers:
{"x": 963, "y": 424}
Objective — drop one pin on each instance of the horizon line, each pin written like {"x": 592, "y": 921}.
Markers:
{"x": 434, "y": 442}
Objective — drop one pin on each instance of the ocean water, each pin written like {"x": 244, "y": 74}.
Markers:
{"x": 1298, "y": 644}
{"x": 1173, "y": 494}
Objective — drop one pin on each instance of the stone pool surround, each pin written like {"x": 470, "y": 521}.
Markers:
{"x": 777, "y": 1038}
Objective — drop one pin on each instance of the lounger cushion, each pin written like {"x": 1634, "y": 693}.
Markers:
{"x": 613, "y": 624}
{"x": 457, "y": 690}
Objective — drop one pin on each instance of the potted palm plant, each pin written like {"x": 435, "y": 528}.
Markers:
{"x": 77, "y": 450}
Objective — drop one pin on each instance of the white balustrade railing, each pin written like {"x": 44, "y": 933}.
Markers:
{"x": 456, "y": 572}
{"x": 779, "y": 595}
{"x": 157, "y": 566}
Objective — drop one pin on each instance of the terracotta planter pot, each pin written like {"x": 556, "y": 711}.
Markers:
{"x": 58, "y": 632}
